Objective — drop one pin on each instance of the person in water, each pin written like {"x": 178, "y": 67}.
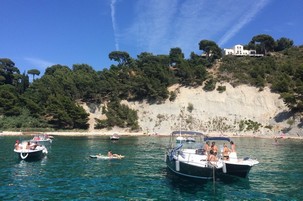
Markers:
{"x": 111, "y": 155}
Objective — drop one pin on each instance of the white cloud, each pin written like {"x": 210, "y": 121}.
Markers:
{"x": 113, "y": 17}
{"x": 38, "y": 63}
{"x": 160, "y": 25}
{"x": 245, "y": 19}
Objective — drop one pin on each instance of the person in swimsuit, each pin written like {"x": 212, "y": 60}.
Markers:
{"x": 214, "y": 148}
{"x": 225, "y": 152}
{"x": 212, "y": 156}
{"x": 17, "y": 145}
{"x": 111, "y": 155}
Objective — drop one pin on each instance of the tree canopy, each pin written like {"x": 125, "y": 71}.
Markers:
{"x": 262, "y": 43}
{"x": 211, "y": 49}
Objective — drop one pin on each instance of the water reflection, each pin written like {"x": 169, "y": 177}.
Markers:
{"x": 29, "y": 168}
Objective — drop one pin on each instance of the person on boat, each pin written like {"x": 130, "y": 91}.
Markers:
{"x": 214, "y": 148}
{"x": 233, "y": 153}
{"x": 28, "y": 145}
{"x": 212, "y": 156}
{"x": 206, "y": 148}
{"x": 225, "y": 152}
{"x": 34, "y": 145}
{"x": 17, "y": 145}
{"x": 233, "y": 146}
{"x": 111, "y": 155}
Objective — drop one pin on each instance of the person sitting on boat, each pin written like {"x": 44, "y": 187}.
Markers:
{"x": 33, "y": 146}
{"x": 225, "y": 152}
{"x": 212, "y": 156}
{"x": 28, "y": 145}
{"x": 214, "y": 148}
{"x": 17, "y": 145}
{"x": 111, "y": 155}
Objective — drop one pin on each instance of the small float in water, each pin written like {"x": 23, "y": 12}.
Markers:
{"x": 105, "y": 157}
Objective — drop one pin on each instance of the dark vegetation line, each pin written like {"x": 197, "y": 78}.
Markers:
{"x": 53, "y": 101}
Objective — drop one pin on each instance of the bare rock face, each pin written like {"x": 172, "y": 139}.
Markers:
{"x": 232, "y": 111}
{"x": 240, "y": 110}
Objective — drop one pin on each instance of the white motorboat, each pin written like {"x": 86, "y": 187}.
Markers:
{"x": 42, "y": 139}
{"x": 191, "y": 160}
{"x": 188, "y": 159}
{"x": 30, "y": 151}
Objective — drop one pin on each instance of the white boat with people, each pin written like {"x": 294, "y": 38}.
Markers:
{"x": 42, "y": 139}
{"x": 30, "y": 151}
{"x": 201, "y": 160}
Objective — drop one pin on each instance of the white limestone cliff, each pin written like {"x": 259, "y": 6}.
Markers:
{"x": 211, "y": 112}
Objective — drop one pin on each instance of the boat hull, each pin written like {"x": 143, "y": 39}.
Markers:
{"x": 192, "y": 171}
{"x": 114, "y": 138}
{"x": 31, "y": 156}
{"x": 240, "y": 168}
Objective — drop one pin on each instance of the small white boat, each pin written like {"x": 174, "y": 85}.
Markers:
{"x": 114, "y": 137}
{"x": 34, "y": 152}
{"x": 42, "y": 139}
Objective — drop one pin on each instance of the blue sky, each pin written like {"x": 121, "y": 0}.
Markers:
{"x": 40, "y": 33}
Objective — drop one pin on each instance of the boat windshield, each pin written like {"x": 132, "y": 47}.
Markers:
{"x": 189, "y": 139}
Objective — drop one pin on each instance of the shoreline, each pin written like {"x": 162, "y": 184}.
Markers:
{"x": 91, "y": 133}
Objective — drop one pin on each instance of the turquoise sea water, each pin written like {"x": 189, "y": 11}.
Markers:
{"x": 67, "y": 173}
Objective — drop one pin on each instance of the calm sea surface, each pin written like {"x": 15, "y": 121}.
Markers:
{"x": 67, "y": 173}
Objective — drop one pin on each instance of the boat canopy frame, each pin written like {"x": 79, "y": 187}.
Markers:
{"x": 186, "y": 133}
{"x": 217, "y": 138}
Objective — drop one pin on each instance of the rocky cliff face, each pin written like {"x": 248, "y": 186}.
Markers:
{"x": 239, "y": 110}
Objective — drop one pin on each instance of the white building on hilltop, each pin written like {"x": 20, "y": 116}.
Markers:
{"x": 238, "y": 50}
